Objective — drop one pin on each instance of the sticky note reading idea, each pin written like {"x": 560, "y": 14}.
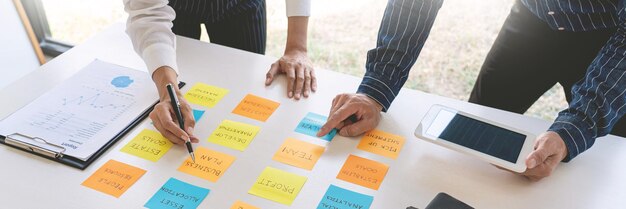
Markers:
{"x": 312, "y": 123}
{"x": 149, "y": 145}
{"x": 177, "y": 194}
{"x": 340, "y": 198}
{"x": 205, "y": 95}
{"x": 277, "y": 185}
{"x": 234, "y": 135}
{"x": 242, "y": 205}
{"x": 255, "y": 107}
{"x": 209, "y": 165}
{"x": 298, "y": 153}
{"x": 114, "y": 178}
{"x": 382, "y": 143}
{"x": 364, "y": 172}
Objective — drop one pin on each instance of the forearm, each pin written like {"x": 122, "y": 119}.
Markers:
{"x": 297, "y": 34}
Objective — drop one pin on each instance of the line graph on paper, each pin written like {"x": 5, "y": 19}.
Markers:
{"x": 98, "y": 101}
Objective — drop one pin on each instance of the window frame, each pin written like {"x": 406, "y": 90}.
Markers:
{"x": 39, "y": 21}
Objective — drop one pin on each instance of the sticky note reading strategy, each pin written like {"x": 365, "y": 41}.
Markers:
{"x": 205, "y": 95}
{"x": 382, "y": 143}
{"x": 242, "y": 205}
{"x": 298, "y": 153}
{"x": 234, "y": 135}
{"x": 256, "y": 107}
{"x": 364, "y": 172}
{"x": 177, "y": 194}
{"x": 114, "y": 178}
{"x": 277, "y": 185}
{"x": 340, "y": 198}
{"x": 149, "y": 145}
{"x": 209, "y": 165}
{"x": 312, "y": 123}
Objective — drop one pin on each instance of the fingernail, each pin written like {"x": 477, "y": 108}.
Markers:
{"x": 532, "y": 163}
{"x": 290, "y": 94}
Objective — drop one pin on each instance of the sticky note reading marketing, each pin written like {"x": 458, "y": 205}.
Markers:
{"x": 312, "y": 123}
{"x": 340, "y": 198}
{"x": 177, "y": 194}
{"x": 209, "y": 165}
{"x": 364, "y": 172}
{"x": 234, "y": 135}
{"x": 114, "y": 178}
{"x": 197, "y": 114}
{"x": 205, "y": 95}
{"x": 298, "y": 153}
{"x": 149, "y": 145}
{"x": 382, "y": 143}
{"x": 255, "y": 107}
{"x": 277, "y": 185}
{"x": 242, "y": 205}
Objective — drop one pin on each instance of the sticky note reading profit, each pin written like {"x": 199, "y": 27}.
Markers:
{"x": 234, "y": 135}
{"x": 197, "y": 114}
{"x": 205, "y": 95}
{"x": 242, "y": 205}
{"x": 340, "y": 198}
{"x": 177, "y": 194}
{"x": 382, "y": 143}
{"x": 312, "y": 123}
{"x": 114, "y": 178}
{"x": 364, "y": 172}
{"x": 255, "y": 107}
{"x": 209, "y": 165}
{"x": 277, "y": 185}
{"x": 298, "y": 153}
{"x": 149, "y": 145}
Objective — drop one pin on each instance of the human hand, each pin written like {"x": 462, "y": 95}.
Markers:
{"x": 300, "y": 73}
{"x": 549, "y": 151}
{"x": 352, "y": 115}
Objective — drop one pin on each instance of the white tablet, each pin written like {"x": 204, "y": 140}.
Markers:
{"x": 495, "y": 143}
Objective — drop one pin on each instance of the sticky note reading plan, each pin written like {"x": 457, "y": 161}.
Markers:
{"x": 149, "y": 145}
{"x": 242, "y": 205}
{"x": 209, "y": 165}
{"x": 312, "y": 123}
{"x": 277, "y": 185}
{"x": 340, "y": 198}
{"x": 255, "y": 107}
{"x": 177, "y": 194}
{"x": 234, "y": 135}
{"x": 382, "y": 143}
{"x": 114, "y": 178}
{"x": 205, "y": 95}
{"x": 298, "y": 153}
{"x": 364, "y": 172}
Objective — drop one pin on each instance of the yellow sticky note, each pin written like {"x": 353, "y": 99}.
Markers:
{"x": 364, "y": 172}
{"x": 382, "y": 143}
{"x": 255, "y": 107}
{"x": 114, "y": 178}
{"x": 234, "y": 135}
{"x": 242, "y": 205}
{"x": 149, "y": 145}
{"x": 209, "y": 165}
{"x": 205, "y": 95}
{"x": 298, "y": 153}
{"x": 277, "y": 185}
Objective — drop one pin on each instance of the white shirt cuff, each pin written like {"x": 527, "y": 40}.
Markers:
{"x": 159, "y": 55}
{"x": 298, "y": 8}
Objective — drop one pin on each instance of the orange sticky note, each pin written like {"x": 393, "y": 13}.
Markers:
{"x": 114, "y": 178}
{"x": 255, "y": 107}
{"x": 364, "y": 172}
{"x": 382, "y": 143}
{"x": 242, "y": 205}
{"x": 209, "y": 165}
{"x": 298, "y": 153}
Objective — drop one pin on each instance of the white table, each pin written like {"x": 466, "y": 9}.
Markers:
{"x": 595, "y": 179}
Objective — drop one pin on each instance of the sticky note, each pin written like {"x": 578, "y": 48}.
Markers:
{"x": 340, "y": 198}
{"x": 255, "y": 107}
{"x": 364, "y": 172}
{"x": 197, "y": 114}
{"x": 298, "y": 153}
{"x": 382, "y": 143}
{"x": 209, "y": 165}
{"x": 242, "y": 205}
{"x": 114, "y": 178}
{"x": 234, "y": 135}
{"x": 277, "y": 185}
{"x": 149, "y": 145}
{"x": 312, "y": 123}
{"x": 205, "y": 95}
{"x": 177, "y": 194}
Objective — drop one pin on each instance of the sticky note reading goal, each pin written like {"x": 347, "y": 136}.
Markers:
{"x": 364, "y": 172}
{"x": 149, "y": 145}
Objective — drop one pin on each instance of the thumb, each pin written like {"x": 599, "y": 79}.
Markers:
{"x": 269, "y": 77}
{"x": 537, "y": 157}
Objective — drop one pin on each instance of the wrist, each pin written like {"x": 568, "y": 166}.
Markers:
{"x": 560, "y": 143}
{"x": 375, "y": 103}
{"x": 162, "y": 76}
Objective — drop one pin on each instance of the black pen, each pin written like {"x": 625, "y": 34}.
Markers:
{"x": 179, "y": 116}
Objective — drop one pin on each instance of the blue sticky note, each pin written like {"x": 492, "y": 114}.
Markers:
{"x": 197, "y": 114}
{"x": 312, "y": 123}
{"x": 340, "y": 198}
{"x": 177, "y": 194}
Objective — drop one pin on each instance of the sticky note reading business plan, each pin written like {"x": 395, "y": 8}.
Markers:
{"x": 205, "y": 95}
{"x": 340, "y": 198}
{"x": 197, "y": 114}
{"x": 364, "y": 172}
{"x": 382, "y": 143}
{"x": 114, "y": 178}
{"x": 277, "y": 185}
{"x": 234, "y": 135}
{"x": 149, "y": 145}
{"x": 243, "y": 205}
{"x": 177, "y": 194}
{"x": 312, "y": 123}
{"x": 298, "y": 153}
{"x": 255, "y": 107}
{"x": 209, "y": 165}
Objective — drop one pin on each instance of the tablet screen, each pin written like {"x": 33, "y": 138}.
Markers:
{"x": 477, "y": 135}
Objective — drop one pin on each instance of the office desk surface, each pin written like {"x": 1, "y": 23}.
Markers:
{"x": 595, "y": 179}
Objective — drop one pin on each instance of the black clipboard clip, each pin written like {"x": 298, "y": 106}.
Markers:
{"x": 35, "y": 144}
